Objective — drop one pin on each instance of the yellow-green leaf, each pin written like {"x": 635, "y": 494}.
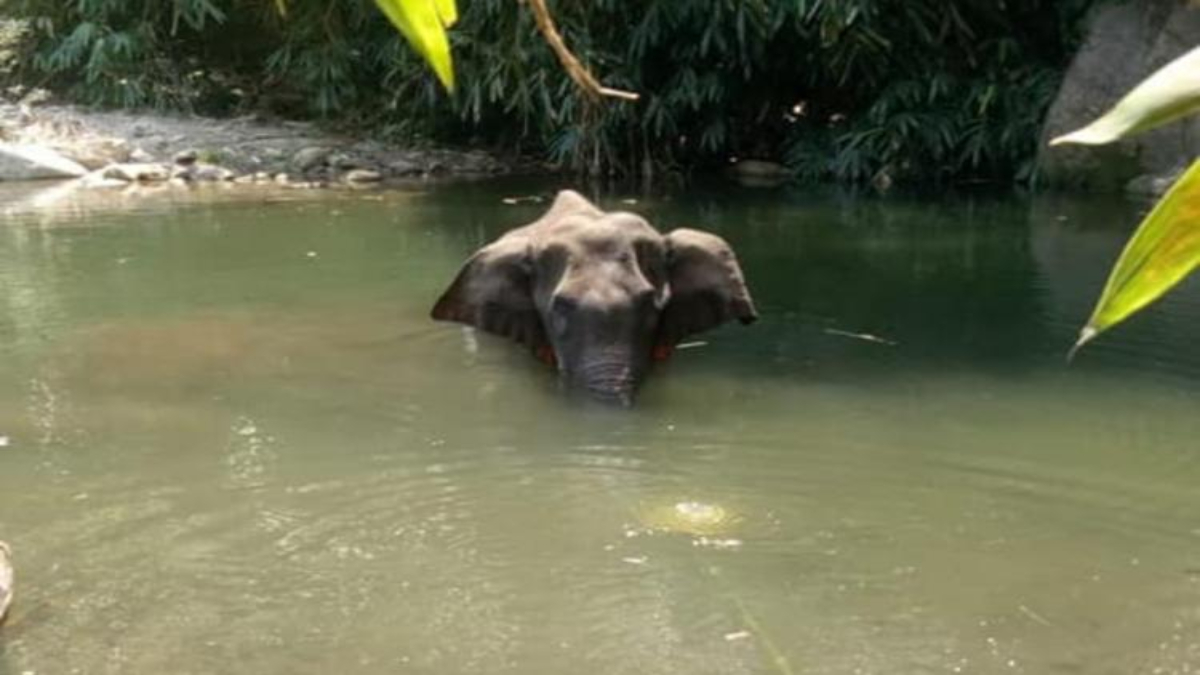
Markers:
{"x": 1170, "y": 93}
{"x": 281, "y": 5}
{"x": 424, "y": 23}
{"x": 1163, "y": 250}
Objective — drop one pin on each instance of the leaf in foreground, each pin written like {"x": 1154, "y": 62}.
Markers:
{"x": 1170, "y": 93}
{"x": 424, "y": 23}
{"x": 1165, "y": 248}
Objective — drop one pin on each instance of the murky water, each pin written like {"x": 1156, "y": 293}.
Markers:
{"x": 232, "y": 442}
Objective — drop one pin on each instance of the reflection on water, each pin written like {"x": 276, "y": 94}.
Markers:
{"x": 236, "y": 444}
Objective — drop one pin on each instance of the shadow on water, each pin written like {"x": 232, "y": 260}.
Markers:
{"x": 232, "y": 435}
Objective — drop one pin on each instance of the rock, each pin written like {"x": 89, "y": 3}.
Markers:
{"x": 203, "y": 172}
{"x": 477, "y": 162}
{"x": 363, "y": 176}
{"x": 759, "y": 174}
{"x": 1126, "y": 43}
{"x": 6, "y": 580}
{"x": 137, "y": 173}
{"x": 1153, "y": 185}
{"x": 140, "y": 156}
{"x": 97, "y": 180}
{"x": 186, "y": 157}
{"x": 755, "y": 168}
{"x": 282, "y": 178}
{"x": 34, "y": 162}
{"x": 310, "y": 158}
{"x": 344, "y": 162}
{"x": 404, "y": 167}
{"x": 96, "y": 154}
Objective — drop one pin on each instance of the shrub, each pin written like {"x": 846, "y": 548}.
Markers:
{"x": 918, "y": 90}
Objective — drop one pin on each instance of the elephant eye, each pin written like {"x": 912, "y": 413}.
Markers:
{"x": 563, "y": 304}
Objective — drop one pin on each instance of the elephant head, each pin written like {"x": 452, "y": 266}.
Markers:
{"x": 600, "y": 295}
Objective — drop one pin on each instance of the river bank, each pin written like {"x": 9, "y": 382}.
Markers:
{"x": 116, "y": 148}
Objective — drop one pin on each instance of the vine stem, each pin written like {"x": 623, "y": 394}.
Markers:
{"x": 578, "y": 72}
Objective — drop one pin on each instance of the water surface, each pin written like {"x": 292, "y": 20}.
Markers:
{"x": 232, "y": 441}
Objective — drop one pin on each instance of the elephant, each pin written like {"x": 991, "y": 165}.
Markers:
{"x": 599, "y": 295}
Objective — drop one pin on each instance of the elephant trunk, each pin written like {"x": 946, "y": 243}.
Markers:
{"x": 609, "y": 381}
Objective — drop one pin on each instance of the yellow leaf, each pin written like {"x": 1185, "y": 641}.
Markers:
{"x": 424, "y": 23}
{"x": 1164, "y": 249}
{"x": 1170, "y": 93}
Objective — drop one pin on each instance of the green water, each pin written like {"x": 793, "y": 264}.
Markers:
{"x": 232, "y": 442}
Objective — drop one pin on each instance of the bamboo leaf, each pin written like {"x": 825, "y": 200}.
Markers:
{"x": 281, "y": 5}
{"x": 1170, "y": 93}
{"x": 423, "y": 23}
{"x": 1164, "y": 249}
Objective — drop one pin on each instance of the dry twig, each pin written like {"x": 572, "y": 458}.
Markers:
{"x": 578, "y": 72}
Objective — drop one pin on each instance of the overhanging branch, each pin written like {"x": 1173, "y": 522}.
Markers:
{"x": 578, "y": 72}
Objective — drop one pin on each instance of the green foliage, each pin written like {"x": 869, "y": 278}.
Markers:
{"x": 918, "y": 90}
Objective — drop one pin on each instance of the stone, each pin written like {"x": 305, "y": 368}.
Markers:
{"x": 363, "y": 176}
{"x": 203, "y": 172}
{"x": 344, "y": 162}
{"x": 140, "y": 156}
{"x": 186, "y": 157}
{"x": 96, "y": 154}
{"x": 404, "y": 167}
{"x": 1125, "y": 44}
{"x": 137, "y": 172}
{"x": 34, "y": 162}
{"x": 97, "y": 180}
{"x": 756, "y": 168}
{"x": 310, "y": 158}
{"x": 1153, "y": 185}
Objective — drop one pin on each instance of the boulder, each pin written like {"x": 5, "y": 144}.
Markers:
{"x": 186, "y": 157}
{"x": 363, "y": 176}
{"x": 137, "y": 173}
{"x": 310, "y": 158}
{"x": 202, "y": 172}
{"x": 404, "y": 167}
{"x": 34, "y": 162}
{"x": 96, "y": 153}
{"x": 1125, "y": 43}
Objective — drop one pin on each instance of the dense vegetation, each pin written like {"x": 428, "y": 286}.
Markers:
{"x": 848, "y": 89}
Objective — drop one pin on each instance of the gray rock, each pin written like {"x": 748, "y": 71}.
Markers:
{"x": 1153, "y": 185}
{"x": 363, "y": 176}
{"x": 96, "y": 153}
{"x": 97, "y": 180}
{"x": 137, "y": 173}
{"x": 310, "y": 158}
{"x": 186, "y": 157}
{"x": 202, "y": 172}
{"x": 1126, "y": 43}
{"x": 755, "y": 168}
{"x": 404, "y": 167}
{"x": 140, "y": 156}
{"x": 344, "y": 162}
{"x": 34, "y": 162}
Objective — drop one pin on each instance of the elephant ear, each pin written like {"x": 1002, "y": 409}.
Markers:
{"x": 707, "y": 286}
{"x": 494, "y": 293}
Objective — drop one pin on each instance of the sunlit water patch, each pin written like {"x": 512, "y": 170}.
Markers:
{"x": 233, "y": 442}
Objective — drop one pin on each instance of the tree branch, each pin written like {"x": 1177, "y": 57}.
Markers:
{"x": 578, "y": 72}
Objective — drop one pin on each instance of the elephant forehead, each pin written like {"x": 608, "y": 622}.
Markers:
{"x": 606, "y": 236}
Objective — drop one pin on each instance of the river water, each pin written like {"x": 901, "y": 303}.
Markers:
{"x": 231, "y": 441}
